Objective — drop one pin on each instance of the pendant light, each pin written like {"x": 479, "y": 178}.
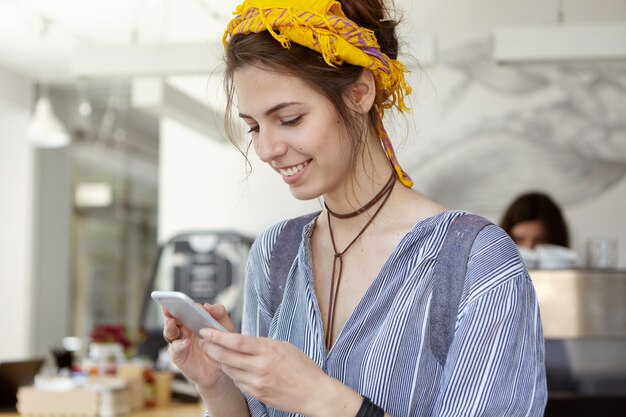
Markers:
{"x": 45, "y": 130}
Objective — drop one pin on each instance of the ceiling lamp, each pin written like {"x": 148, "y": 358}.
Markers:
{"x": 563, "y": 42}
{"x": 45, "y": 130}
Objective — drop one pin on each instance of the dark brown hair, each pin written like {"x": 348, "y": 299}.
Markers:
{"x": 537, "y": 206}
{"x": 262, "y": 50}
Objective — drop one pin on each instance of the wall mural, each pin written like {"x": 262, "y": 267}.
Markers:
{"x": 499, "y": 130}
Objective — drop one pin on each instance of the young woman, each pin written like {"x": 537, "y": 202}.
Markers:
{"x": 350, "y": 337}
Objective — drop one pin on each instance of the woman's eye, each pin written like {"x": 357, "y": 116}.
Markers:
{"x": 253, "y": 129}
{"x": 291, "y": 122}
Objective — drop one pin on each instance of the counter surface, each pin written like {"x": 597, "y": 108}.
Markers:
{"x": 581, "y": 303}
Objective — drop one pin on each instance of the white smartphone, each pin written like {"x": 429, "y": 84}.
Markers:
{"x": 187, "y": 311}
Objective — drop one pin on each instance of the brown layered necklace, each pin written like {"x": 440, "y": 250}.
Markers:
{"x": 337, "y": 260}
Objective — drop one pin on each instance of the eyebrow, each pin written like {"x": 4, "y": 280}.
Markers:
{"x": 273, "y": 109}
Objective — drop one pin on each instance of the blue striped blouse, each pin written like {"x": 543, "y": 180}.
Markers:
{"x": 495, "y": 365}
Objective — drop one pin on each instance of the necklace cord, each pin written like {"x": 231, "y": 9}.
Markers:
{"x": 368, "y": 205}
{"x": 337, "y": 257}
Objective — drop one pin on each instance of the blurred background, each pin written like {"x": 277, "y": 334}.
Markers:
{"x": 112, "y": 157}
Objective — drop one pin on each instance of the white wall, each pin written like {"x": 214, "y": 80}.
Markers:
{"x": 16, "y": 212}
{"x": 51, "y": 279}
{"x": 34, "y": 225}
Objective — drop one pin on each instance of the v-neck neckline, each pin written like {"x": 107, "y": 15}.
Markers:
{"x": 375, "y": 284}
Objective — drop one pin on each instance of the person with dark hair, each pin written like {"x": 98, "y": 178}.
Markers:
{"x": 533, "y": 219}
{"x": 389, "y": 304}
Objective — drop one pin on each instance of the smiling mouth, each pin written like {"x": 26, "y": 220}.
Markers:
{"x": 288, "y": 172}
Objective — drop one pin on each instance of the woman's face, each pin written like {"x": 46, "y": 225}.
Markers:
{"x": 528, "y": 234}
{"x": 294, "y": 129}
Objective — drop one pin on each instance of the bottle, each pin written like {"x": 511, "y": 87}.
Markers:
{"x": 148, "y": 388}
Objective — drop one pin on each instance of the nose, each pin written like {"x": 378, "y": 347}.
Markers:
{"x": 268, "y": 145}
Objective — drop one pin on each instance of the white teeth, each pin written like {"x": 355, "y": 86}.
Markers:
{"x": 288, "y": 172}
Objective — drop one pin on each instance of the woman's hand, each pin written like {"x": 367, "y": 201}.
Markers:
{"x": 186, "y": 352}
{"x": 276, "y": 373}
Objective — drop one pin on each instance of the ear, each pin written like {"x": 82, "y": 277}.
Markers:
{"x": 361, "y": 94}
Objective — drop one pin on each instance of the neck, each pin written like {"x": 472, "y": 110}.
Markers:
{"x": 372, "y": 170}
{"x": 371, "y": 204}
{"x": 358, "y": 190}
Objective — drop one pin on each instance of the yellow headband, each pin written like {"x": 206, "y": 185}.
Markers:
{"x": 322, "y": 26}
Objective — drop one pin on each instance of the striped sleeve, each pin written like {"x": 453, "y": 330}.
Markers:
{"x": 495, "y": 366}
{"x": 256, "y": 314}
{"x": 256, "y": 307}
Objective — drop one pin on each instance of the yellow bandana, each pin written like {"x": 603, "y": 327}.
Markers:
{"x": 322, "y": 26}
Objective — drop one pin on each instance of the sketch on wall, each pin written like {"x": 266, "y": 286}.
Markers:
{"x": 500, "y": 130}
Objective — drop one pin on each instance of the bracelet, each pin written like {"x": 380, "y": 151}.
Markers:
{"x": 369, "y": 409}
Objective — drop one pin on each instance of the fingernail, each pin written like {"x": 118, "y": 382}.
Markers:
{"x": 206, "y": 333}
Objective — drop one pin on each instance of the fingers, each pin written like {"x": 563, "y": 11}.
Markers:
{"x": 231, "y": 350}
{"x": 178, "y": 337}
{"x": 233, "y": 341}
{"x": 172, "y": 331}
{"x": 219, "y": 313}
{"x": 179, "y": 349}
{"x": 173, "y": 334}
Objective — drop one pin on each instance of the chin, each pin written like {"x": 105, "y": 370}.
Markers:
{"x": 303, "y": 194}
